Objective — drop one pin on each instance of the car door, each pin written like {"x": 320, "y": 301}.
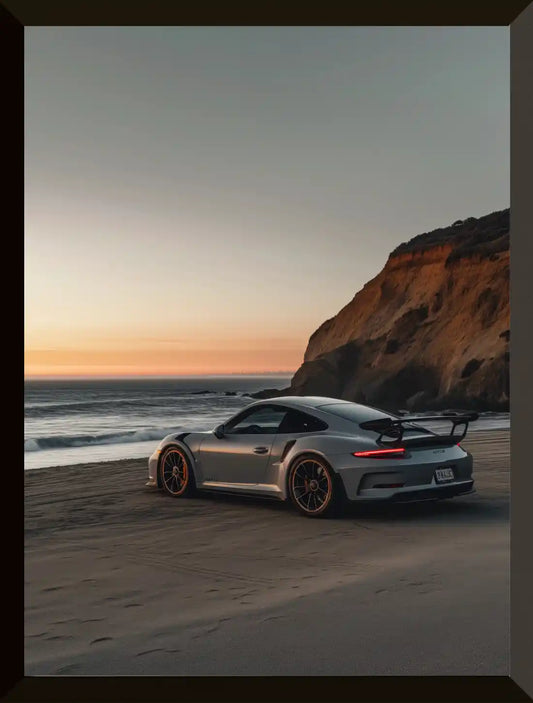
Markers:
{"x": 243, "y": 453}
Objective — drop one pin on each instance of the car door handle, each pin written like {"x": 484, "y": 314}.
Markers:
{"x": 260, "y": 450}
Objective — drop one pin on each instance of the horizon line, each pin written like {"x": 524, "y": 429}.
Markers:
{"x": 32, "y": 377}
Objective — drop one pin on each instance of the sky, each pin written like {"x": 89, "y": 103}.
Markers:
{"x": 200, "y": 199}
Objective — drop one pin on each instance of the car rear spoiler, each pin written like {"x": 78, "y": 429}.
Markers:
{"x": 395, "y": 429}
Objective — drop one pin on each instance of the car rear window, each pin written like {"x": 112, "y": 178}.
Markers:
{"x": 354, "y": 412}
{"x": 362, "y": 413}
{"x": 297, "y": 422}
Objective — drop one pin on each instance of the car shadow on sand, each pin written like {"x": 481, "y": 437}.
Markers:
{"x": 473, "y": 508}
{"x": 465, "y": 509}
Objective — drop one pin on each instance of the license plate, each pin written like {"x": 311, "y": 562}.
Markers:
{"x": 443, "y": 475}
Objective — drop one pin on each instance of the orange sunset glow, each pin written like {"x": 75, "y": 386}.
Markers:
{"x": 147, "y": 362}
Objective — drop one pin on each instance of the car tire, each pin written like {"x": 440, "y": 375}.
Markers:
{"x": 314, "y": 488}
{"x": 175, "y": 473}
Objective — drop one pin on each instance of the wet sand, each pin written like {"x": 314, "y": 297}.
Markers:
{"x": 122, "y": 580}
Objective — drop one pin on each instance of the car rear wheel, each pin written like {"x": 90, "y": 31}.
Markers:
{"x": 313, "y": 487}
{"x": 176, "y": 476}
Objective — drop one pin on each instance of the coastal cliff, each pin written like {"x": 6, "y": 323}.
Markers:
{"x": 430, "y": 331}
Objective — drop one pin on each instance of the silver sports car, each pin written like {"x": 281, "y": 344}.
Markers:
{"x": 318, "y": 453}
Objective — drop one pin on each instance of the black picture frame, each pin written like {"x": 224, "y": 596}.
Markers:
{"x": 15, "y": 15}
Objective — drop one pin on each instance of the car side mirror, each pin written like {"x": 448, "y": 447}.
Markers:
{"x": 219, "y": 431}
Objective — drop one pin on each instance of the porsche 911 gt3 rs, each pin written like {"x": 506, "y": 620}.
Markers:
{"x": 318, "y": 453}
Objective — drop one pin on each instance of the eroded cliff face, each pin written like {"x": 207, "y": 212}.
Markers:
{"x": 431, "y": 330}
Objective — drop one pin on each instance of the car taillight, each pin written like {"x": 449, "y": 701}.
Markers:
{"x": 376, "y": 453}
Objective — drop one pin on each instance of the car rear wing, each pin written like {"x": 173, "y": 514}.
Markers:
{"x": 394, "y": 428}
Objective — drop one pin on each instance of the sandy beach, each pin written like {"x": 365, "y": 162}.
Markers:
{"x": 122, "y": 580}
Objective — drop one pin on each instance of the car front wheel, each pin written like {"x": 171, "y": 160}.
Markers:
{"x": 176, "y": 475}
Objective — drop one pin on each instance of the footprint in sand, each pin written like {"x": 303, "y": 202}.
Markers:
{"x": 149, "y": 651}
{"x": 133, "y": 605}
{"x": 52, "y": 588}
{"x": 272, "y": 617}
{"x": 101, "y": 639}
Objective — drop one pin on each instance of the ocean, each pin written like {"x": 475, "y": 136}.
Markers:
{"x": 81, "y": 421}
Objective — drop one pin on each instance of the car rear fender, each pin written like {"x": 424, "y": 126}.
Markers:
{"x": 323, "y": 446}
{"x": 328, "y": 446}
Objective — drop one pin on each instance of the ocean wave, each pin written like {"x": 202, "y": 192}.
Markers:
{"x": 63, "y": 441}
{"x": 113, "y": 405}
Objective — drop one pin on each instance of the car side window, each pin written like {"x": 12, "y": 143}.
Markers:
{"x": 263, "y": 420}
{"x": 295, "y": 422}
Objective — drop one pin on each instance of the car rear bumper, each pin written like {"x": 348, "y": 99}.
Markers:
{"x": 410, "y": 478}
{"x": 414, "y": 494}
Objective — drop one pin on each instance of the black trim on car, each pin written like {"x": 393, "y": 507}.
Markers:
{"x": 288, "y": 446}
{"x": 421, "y": 494}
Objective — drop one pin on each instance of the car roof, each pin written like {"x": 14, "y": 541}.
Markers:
{"x": 303, "y": 401}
